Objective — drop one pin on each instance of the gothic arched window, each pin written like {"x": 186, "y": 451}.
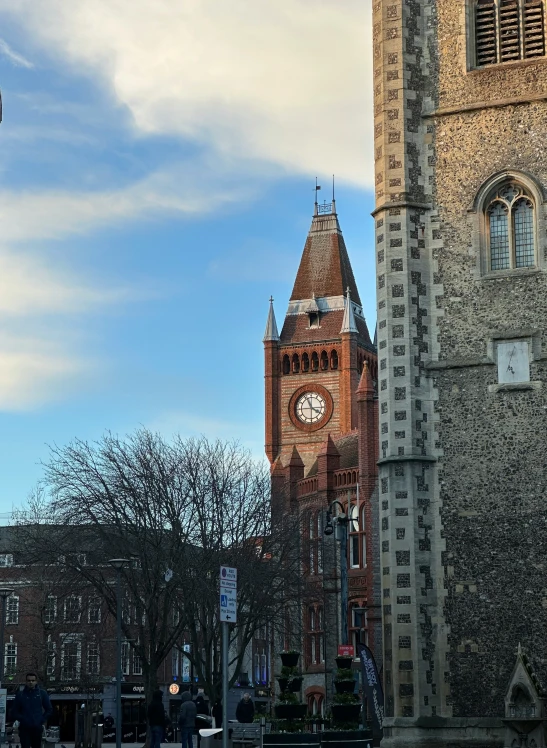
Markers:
{"x": 511, "y": 228}
{"x": 508, "y": 30}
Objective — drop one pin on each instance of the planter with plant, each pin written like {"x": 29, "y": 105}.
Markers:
{"x": 346, "y": 705}
{"x": 290, "y": 712}
{"x": 289, "y": 658}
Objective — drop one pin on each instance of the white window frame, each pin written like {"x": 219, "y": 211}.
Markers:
{"x": 51, "y": 653}
{"x": 93, "y": 659}
{"x": 50, "y": 615}
{"x": 126, "y": 657}
{"x": 136, "y": 662}
{"x": 68, "y": 640}
{"x": 10, "y": 657}
{"x": 6, "y": 559}
{"x": 12, "y": 610}
{"x": 94, "y": 607}
{"x": 66, "y": 618}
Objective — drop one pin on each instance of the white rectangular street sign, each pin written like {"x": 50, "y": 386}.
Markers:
{"x": 228, "y": 605}
{"x": 228, "y": 574}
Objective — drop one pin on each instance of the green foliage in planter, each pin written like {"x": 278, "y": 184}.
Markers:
{"x": 290, "y": 652}
{"x": 287, "y": 697}
{"x": 288, "y": 672}
{"x": 344, "y": 698}
{"x": 288, "y": 725}
{"x": 341, "y": 726}
{"x": 344, "y": 674}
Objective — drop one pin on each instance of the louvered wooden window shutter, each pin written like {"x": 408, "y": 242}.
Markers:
{"x": 508, "y": 30}
{"x": 534, "y": 28}
{"x": 485, "y": 33}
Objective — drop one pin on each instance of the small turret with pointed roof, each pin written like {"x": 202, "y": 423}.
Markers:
{"x": 348, "y": 323}
{"x": 366, "y": 385}
{"x": 271, "y": 325}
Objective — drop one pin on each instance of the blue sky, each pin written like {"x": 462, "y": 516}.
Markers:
{"x": 157, "y": 164}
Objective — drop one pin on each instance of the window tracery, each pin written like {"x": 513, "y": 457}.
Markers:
{"x": 511, "y": 228}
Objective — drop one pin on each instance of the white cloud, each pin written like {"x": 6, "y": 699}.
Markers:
{"x": 36, "y": 370}
{"x": 286, "y": 82}
{"x": 14, "y": 57}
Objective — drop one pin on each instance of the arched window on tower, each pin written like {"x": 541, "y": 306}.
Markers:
{"x": 314, "y": 361}
{"x": 286, "y": 365}
{"x": 333, "y": 359}
{"x": 511, "y": 228}
{"x": 295, "y": 363}
{"x": 508, "y": 30}
{"x": 324, "y": 361}
{"x": 305, "y": 362}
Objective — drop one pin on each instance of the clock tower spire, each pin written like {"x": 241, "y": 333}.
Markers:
{"x": 312, "y": 368}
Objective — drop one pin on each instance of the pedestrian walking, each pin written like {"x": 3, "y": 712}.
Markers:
{"x": 187, "y": 720}
{"x": 245, "y": 711}
{"x": 156, "y": 719}
{"x": 31, "y": 709}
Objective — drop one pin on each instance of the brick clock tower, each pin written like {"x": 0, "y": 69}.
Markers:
{"x": 312, "y": 369}
{"x": 321, "y": 440}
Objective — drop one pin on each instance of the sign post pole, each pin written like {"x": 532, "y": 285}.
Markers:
{"x": 225, "y": 641}
{"x": 228, "y": 614}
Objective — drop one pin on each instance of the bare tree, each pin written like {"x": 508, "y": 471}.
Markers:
{"x": 176, "y": 511}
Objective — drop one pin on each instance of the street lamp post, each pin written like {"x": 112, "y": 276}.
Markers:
{"x": 342, "y": 520}
{"x": 118, "y": 564}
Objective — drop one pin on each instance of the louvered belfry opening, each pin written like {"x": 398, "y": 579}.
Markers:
{"x": 508, "y": 30}
{"x": 534, "y": 28}
{"x": 485, "y": 33}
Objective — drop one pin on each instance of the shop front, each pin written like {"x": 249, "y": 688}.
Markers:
{"x": 133, "y": 714}
{"x": 72, "y": 709}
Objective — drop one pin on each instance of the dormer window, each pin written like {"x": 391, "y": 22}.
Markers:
{"x": 314, "y": 319}
{"x": 313, "y": 312}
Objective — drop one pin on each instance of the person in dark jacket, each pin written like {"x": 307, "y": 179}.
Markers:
{"x": 187, "y": 720}
{"x": 217, "y": 713}
{"x": 202, "y": 706}
{"x": 245, "y": 711}
{"x": 156, "y": 719}
{"x": 31, "y": 709}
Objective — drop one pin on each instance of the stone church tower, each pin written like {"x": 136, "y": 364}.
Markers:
{"x": 460, "y": 107}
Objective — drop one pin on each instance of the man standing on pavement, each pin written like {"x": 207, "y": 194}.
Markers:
{"x": 187, "y": 720}
{"x": 32, "y": 707}
{"x": 245, "y": 711}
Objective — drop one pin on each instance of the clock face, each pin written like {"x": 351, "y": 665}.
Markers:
{"x": 310, "y": 407}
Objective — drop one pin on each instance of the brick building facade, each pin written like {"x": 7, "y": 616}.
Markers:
{"x": 461, "y": 175}
{"x": 321, "y": 426}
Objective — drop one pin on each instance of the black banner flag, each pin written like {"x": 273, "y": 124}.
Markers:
{"x": 372, "y": 685}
